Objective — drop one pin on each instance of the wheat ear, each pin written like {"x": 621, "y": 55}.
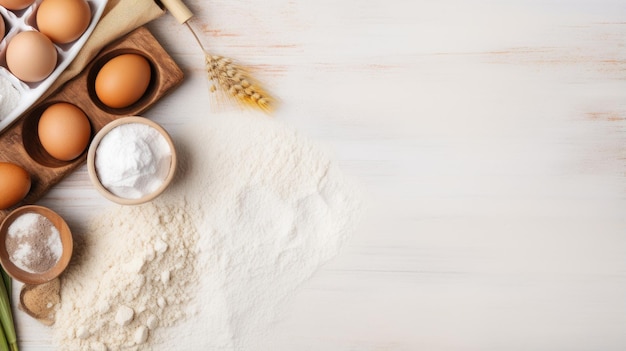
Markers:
{"x": 234, "y": 80}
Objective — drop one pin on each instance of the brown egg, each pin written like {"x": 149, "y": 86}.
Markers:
{"x": 16, "y": 4}
{"x": 64, "y": 131}
{"x": 2, "y": 28}
{"x": 123, "y": 80}
{"x": 31, "y": 56}
{"x": 63, "y": 21}
{"x": 14, "y": 184}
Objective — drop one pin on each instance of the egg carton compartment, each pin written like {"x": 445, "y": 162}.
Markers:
{"x": 25, "y": 20}
{"x": 20, "y": 143}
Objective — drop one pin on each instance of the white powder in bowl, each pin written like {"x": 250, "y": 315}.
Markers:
{"x": 133, "y": 160}
{"x": 33, "y": 243}
{"x": 256, "y": 210}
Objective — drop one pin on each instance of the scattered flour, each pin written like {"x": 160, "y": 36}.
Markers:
{"x": 9, "y": 97}
{"x": 269, "y": 208}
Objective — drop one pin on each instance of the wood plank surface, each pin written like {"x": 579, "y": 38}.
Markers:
{"x": 490, "y": 138}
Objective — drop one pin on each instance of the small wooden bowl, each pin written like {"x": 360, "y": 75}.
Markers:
{"x": 91, "y": 161}
{"x": 66, "y": 241}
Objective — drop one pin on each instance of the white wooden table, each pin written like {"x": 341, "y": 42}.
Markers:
{"x": 491, "y": 138}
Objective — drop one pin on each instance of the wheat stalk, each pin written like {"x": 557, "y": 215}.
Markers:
{"x": 234, "y": 80}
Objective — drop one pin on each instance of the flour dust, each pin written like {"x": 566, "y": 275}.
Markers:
{"x": 265, "y": 208}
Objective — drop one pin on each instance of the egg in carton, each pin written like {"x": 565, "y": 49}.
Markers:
{"x": 20, "y": 93}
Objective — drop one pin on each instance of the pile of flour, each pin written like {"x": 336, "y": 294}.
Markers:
{"x": 269, "y": 208}
{"x": 131, "y": 274}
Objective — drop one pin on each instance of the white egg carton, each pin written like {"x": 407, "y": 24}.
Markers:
{"x": 25, "y": 20}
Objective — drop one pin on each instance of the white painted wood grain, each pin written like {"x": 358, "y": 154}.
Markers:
{"x": 491, "y": 139}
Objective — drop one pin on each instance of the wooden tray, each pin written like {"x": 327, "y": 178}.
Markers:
{"x": 20, "y": 144}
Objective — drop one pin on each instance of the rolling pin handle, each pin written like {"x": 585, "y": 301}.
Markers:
{"x": 178, "y": 9}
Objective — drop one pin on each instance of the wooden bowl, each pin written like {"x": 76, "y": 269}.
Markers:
{"x": 20, "y": 142}
{"x": 91, "y": 161}
{"x": 66, "y": 241}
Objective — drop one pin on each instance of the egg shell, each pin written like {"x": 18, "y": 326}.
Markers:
{"x": 2, "y": 27}
{"x": 16, "y": 4}
{"x": 123, "y": 80}
{"x": 63, "y": 21}
{"x": 31, "y": 56}
{"x": 64, "y": 131}
{"x": 14, "y": 184}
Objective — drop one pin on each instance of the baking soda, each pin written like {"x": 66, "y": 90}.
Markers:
{"x": 133, "y": 160}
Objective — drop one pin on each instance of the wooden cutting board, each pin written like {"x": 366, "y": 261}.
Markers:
{"x": 20, "y": 144}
